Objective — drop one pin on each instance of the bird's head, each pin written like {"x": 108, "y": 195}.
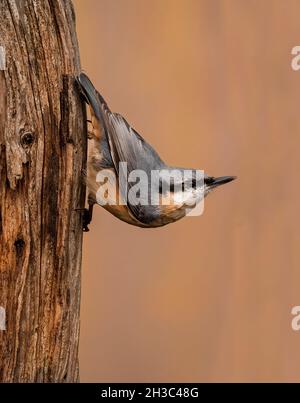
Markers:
{"x": 186, "y": 189}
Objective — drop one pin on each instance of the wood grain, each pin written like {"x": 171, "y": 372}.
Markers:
{"x": 43, "y": 152}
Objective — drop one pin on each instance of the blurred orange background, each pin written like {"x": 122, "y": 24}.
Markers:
{"x": 209, "y": 84}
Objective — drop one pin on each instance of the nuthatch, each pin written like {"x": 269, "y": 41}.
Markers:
{"x": 115, "y": 142}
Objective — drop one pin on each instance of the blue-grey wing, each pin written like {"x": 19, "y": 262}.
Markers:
{"x": 126, "y": 146}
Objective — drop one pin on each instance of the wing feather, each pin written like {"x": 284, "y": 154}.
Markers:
{"x": 126, "y": 145}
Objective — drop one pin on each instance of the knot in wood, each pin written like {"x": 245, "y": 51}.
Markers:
{"x": 27, "y": 139}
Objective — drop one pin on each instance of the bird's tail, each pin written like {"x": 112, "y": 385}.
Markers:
{"x": 93, "y": 98}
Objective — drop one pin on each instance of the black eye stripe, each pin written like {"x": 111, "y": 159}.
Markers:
{"x": 172, "y": 186}
{"x": 209, "y": 180}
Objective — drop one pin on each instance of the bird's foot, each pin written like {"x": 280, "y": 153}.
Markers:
{"x": 87, "y": 217}
{"x": 86, "y": 220}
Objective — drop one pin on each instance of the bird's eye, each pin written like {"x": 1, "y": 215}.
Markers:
{"x": 171, "y": 187}
{"x": 160, "y": 187}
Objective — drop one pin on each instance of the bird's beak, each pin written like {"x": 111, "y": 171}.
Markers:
{"x": 222, "y": 180}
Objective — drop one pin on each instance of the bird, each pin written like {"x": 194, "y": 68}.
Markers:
{"x": 118, "y": 150}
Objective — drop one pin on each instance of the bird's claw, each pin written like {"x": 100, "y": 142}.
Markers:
{"x": 86, "y": 220}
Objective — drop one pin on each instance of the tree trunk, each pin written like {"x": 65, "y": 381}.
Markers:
{"x": 42, "y": 154}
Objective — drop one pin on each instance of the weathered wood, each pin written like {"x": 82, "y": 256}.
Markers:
{"x": 43, "y": 152}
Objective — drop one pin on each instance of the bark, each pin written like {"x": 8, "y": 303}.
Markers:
{"x": 43, "y": 152}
